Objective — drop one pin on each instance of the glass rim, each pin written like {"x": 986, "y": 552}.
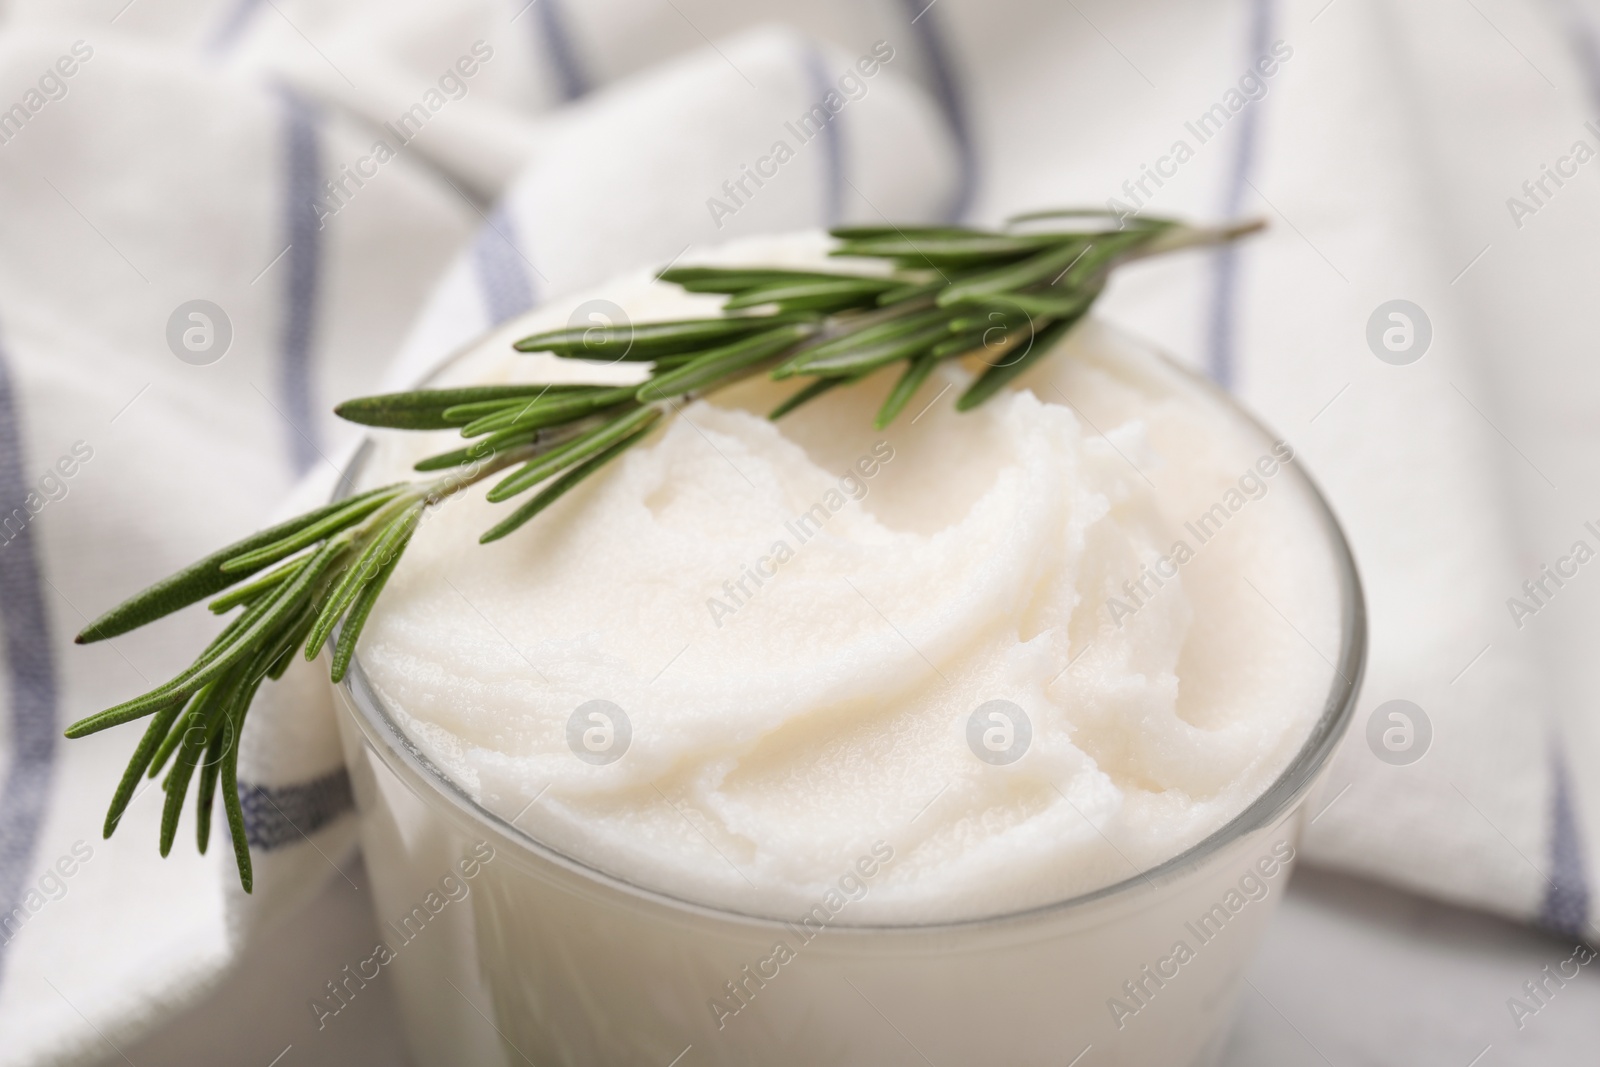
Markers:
{"x": 400, "y": 750}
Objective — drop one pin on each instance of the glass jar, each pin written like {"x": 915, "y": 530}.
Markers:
{"x": 502, "y": 950}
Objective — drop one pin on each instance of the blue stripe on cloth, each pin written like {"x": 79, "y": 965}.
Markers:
{"x": 302, "y": 177}
{"x": 1568, "y": 899}
{"x": 1565, "y": 908}
{"x": 30, "y": 669}
{"x": 832, "y": 150}
{"x": 550, "y": 22}
{"x": 275, "y": 816}
{"x": 1584, "y": 41}
{"x": 947, "y": 90}
{"x": 232, "y": 26}
{"x": 502, "y": 272}
{"x": 1220, "y": 332}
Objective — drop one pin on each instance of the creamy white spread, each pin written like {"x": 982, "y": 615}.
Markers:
{"x": 799, "y": 620}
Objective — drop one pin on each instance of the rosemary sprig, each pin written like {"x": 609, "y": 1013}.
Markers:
{"x": 1004, "y": 297}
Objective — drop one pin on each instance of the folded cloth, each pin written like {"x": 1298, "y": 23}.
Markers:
{"x": 315, "y": 283}
{"x": 229, "y": 152}
{"x": 1453, "y": 473}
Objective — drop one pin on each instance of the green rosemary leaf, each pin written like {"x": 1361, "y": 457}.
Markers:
{"x": 556, "y": 489}
{"x": 480, "y": 451}
{"x": 737, "y": 279}
{"x": 169, "y": 743}
{"x": 874, "y": 331}
{"x": 870, "y": 359}
{"x": 485, "y": 454}
{"x": 1113, "y": 219}
{"x": 1048, "y": 303}
{"x": 154, "y": 734}
{"x": 526, "y": 390}
{"x": 365, "y": 569}
{"x": 1000, "y": 374}
{"x": 277, "y": 609}
{"x": 288, "y": 605}
{"x": 806, "y": 395}
{"x": 446, "y": 460}
{"x": 464, "y": 415}
{"x": 246, "y": 618}
{"x": 285, "y": 660}
{"x": 225, "y": 642}
{"x": 717, "y": 365}
{"x": 645, "y": 341}
{"x": 317, "y": 531}
{"x": 190, "y": 749}
{"x": 917, "y": 372}
{"x": 424, "y": 409}
{"x": 980, "y": 320}
{"x": 285, "y": 642}
{"x": 176, "y": 788}
{"x": 356, "y": 620}
{"x": 502, "y": 441}
{"x": 381, "y": 411}
{"x": 556, "y": 411}
{"x": 247, "y": 593}
{"x": 176, "y": 689}
{"x": 574, "y": 451}
{"x": 1101, "y": 254}
{"x": 277, "y": 661}
{"x": 1002, "y": 330}
{"x": 864, "y": 233}
{"x": 225, "y": 721}
{"x": 910, "y": 291}
{"x": 202, "y": 579}
{"x": 852, "y": 344}
{"x": 494, "y": 421}
{"x": 210, "y": 769}
{"x": 947, "y": 250}
{"x": 958, "y": 345}
{"x": 230, "y": 789}
{"x": 127, "y": 711}
{"x": 868, "y": 349}
{"x": 723, "y": 279}
{"x": 1044, "y": 267}
{"x": 832, "y": 294}
{"x": 823, "y": 306}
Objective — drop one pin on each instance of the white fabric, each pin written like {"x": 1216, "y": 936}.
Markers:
{"x": 176, "y": 167}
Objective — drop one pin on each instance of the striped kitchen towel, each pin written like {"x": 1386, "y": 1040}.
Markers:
{"x": 344, "y": 191}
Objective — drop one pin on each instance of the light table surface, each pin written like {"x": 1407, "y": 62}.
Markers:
{"x": 1352, "y": 975}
